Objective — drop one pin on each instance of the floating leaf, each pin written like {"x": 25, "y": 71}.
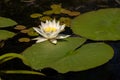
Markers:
{"x": 24, "y": 31}
{"x": 49, "y": 12}
{"x": 88, "y": 56}
{"x": 70, "y": 13}
{"x": 6, "y": 34}
{"x": 103, "y": 24}
{"x": 35, "y": 15}
{"x": 32, "y": 32}
{"x": 65, "y": 20}
{"x": 65, "y": 11}
{"x": 74, "y": 13}
{"x": 5, "y": 22}
{"x": 63, "y": 58}
{"x": 56, "y": 8}
{"x": 44, "y": 54}
{"x": 20, "y": 27}
{"x": 44, "y": 18}
{"x": 24, "y": 39}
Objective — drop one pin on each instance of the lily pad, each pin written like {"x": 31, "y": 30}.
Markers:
{"x": 24, "y": 39}
{"x": 49, "y": 12}
{"x": 35, "y": 15}
{"x": 64, "y": 58}
{"x": 6, "y": 34}
{"x": 41, "y": 55}
{"x": 20, "y": 27}
{"x": 102, "y": 24}
{"x": 74, "y": 13}
{"x": 56, "y": 8}
{"x": 44, "y": 18}
{"x": 88, "y": 56}
{"x": 65, "y": 20}
{"x": 6, "y": 22}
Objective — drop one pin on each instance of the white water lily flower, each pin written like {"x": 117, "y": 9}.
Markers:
{"x": 50, "y": 31}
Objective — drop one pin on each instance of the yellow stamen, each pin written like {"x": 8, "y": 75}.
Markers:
{"x": 50, "y": 29}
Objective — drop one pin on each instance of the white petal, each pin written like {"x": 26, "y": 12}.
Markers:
{"x": 62, "y": 36}
{"x": 54, "y": 21}
{"x": 62, "y": 27}
{"x": 39, "y": 39}
{"x": 37, "y": 30}
{"x": 42, "y": 24}
{"x": 58, "y": 24}
{"x": 40, "y": 31}
{"x": 47, "y": 22}
{"x": 54, "y": 41}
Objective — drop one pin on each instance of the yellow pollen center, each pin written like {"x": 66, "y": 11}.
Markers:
{"x": 50, "y": 29}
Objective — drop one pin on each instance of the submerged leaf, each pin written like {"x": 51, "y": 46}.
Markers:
{"x": 6, "y": 34}
{"x": 6, "y": 22}
{"x": 103, "y": 24}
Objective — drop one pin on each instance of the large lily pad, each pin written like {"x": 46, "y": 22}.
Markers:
{"x": 5, "y": 22}
{"x": 88, "y": 56}
{"x": 43, "y": 54}
{"x": 6, "y": 34}
{"x": 63, "y": 57}
{"x": 102, "y": 24}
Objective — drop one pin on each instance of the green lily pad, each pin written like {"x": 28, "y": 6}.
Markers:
{"x": 63, "y": 58}
{"x": 44, "y": 18}
{"x": 24, "y": 39}
{"x": 102, "y": 24}
{"x": 6, "y": 34}
{"x": 56, "y": 8}
{"x": 65, "y": 20}
{"x": 5, "y": 22}
{"x": 41, "y": 55}
{"x": 35, "y": 15}
{"x": 88, "y": 56}
{"x": 49, "y": 12}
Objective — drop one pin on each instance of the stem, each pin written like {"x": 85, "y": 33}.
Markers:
{"x": 21, "y": 72}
